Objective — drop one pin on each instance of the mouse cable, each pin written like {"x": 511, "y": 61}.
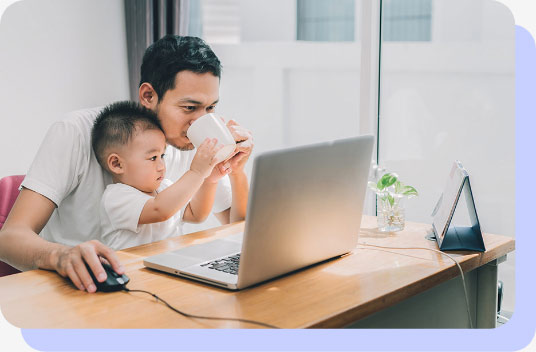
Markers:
{"x": 443, "y": 253}
{"x": 200, "y": 316}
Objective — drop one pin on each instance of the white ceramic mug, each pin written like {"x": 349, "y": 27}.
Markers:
{"x": 211, "y": 126}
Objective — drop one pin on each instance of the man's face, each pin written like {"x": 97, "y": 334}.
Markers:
{"x": 194, "y": 95}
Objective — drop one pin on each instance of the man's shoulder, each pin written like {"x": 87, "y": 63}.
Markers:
{"x": 82, "y": 119}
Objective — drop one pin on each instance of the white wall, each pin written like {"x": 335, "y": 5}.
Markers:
{"x": 56, "y": 56}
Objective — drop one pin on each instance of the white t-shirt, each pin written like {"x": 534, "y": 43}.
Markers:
{"x": 120, "y": 211}
{"x": 66, "y": 171}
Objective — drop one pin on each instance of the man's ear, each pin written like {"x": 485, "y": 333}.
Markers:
{"x": 148, "y": 96}
{"x": 115, "y": 164}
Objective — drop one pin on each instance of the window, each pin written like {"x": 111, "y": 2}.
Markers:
{"x": 407, "y": 20}
{"x": 319, "y": 20}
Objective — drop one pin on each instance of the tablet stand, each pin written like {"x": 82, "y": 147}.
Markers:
{"x": 448, "y": 236}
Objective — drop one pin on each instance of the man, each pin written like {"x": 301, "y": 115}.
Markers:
{"x": 61, "y": 193}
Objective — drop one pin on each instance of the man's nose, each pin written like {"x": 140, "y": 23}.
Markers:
{"x": 198, "y": 115}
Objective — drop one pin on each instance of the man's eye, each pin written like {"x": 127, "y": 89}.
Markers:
{"x": 189, "y": 108}
{"x": 211, "y": 108}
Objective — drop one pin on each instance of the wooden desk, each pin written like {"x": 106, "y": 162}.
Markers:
{"x": 358, "y": 287}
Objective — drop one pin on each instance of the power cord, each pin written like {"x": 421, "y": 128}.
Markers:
{"x": 437, "y": 251}
{"x": 200, "y": 316}
{"x": 506, "y": 320}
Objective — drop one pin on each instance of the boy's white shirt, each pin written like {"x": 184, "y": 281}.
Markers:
{"x": 120, "y": 211}
{"x": 66, "y": 171}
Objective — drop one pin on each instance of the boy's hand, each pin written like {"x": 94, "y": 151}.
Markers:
{"x": 219, "y": 171}
{"x": 204, "y": 159}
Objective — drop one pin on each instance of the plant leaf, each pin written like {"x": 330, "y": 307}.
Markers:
{"x": 409, "y": 191}
{"x": 391, "y": 199}
{"x": 398, "y": 187}
{"x": 387, "y": 180}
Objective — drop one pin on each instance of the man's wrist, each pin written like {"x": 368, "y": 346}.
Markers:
{"x": 51, "y": 260}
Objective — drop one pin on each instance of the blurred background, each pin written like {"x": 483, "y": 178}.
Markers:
{"x": 433, "y": 80}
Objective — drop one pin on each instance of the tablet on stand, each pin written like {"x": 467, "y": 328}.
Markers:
{"x": 448, "y": 236}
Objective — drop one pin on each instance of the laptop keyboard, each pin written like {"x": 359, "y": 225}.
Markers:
{"x": 227, "y": 265}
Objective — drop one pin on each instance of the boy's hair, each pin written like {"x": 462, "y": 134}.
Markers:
{"x": 116, "y": 124}
{"x": 172, "y": 54}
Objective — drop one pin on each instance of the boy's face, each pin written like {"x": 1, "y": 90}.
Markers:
{"x": 194, "y": 95}
{"x": 143, "y": 163}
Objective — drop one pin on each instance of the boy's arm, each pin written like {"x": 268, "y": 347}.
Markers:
{"x": 172, "y": 199}
{"x": 201, "y": 204}
{"x": 24, "y": 249}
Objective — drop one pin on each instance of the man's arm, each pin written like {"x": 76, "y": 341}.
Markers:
{"x": 24, "y": 249}
{"x": 240, "y": 189}
{"x": 239, "y": 180}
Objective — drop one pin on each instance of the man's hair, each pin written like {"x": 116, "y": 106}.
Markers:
{"x": 116, "y": 124}
{"x": 172, "y": 54}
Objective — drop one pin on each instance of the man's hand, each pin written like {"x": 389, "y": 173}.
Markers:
{"x": 244, "y": 146}
{"x": 70, "y": 262}
{"x": 24, "y": 249}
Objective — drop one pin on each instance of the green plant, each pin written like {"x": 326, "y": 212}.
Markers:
{"x": 389, "y": 187}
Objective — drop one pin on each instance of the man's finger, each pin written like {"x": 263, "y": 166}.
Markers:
{"x": 110, "y": 256}
{"x": 74, "y": 278}
{"x": 240, "y": 131}
{"x": 90, "y": 257}
{"x": 82, "y": 271}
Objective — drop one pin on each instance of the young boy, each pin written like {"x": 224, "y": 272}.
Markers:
{"x": 141, "y": 206}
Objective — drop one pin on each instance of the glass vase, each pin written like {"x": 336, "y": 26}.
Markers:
{"x": 391, "y": 213}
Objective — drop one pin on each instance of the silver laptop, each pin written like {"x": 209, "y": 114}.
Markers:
{"x": 305, "y": 206}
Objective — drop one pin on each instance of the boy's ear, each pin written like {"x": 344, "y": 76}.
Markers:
{"x": 115, "y": 164}
{"x": 148, "y": 96}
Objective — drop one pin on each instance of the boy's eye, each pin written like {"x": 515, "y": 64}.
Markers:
{"x": 153, "y": 158}
{"x": 162, "y": 156}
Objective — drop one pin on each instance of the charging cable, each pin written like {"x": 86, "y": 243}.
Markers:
{"x": 200, "y": 316}
{"x": 437, "y": 251}
{"x": 505, "y": 319}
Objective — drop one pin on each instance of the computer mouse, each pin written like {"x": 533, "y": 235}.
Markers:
{"x": 113, "y": 282}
